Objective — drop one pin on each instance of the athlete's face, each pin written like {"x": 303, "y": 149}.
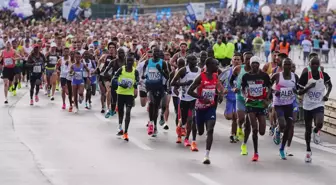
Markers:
{"x": 236, "y": 60}
{"x": 78, "y": 57}
{"x": 66, "y": 52}
{"x": 156, "y": 53}
{"x": 212, "y": 66}
{"x": 121, "y": 53}
{"x": 247, "y": 59}
{"x": 287, "y": 65}
{"x": 183, "y": 47}
{"x": 203, "y": 56}
{"x": 192, "y": 62}
{"x": 130, "y": 62}
{"x": 180, "y": 63}
{"x": 255, "y": 66}
{"x": 111, "y": 49}
{"x": 314, "y": 64}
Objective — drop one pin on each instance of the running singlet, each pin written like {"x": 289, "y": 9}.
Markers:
{"x": 64, "y": 69}
{"x": 313, "y": 98}
{"x": 255, "y": 89}
{"x": 37, "y": 66}
{"x": 154, "y": 77}
{"x": 286, "y": 89}
{"x": 207, "y": 90}
{"x": 239, "y": 95}
{"x": 126, "y": 79}
{"x": 187, "y": 77}
{"x": 78, "y": 74}
{"x": 52, "y": 61}
{"x": 19, "y": 63}
{"x": 8, "y": 58}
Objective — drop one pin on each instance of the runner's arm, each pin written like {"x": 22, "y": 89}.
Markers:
{"x": 234, "y": 75}
{"x": 193, "y": 86}
{"x": 327, "y": 82}
{"x": 303, "y": 82}
{"x": 176, "y": 79}
{"x": 108, "y": 68}
{"x": 165, "y": 71}
{"x": 265, "y": 67}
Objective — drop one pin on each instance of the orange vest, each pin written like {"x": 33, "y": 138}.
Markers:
{"x": 284, "y": 49}
{"x": 274, "y": 44}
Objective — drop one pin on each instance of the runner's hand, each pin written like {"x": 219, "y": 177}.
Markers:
{"x": 277, "y": 93}
{"x": 325, "y": 98}
{"x": 312, "y": 85}
{"x": 176, "y": 91}
{"x": 235, "y": 90}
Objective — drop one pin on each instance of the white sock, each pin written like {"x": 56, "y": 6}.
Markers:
{"x": 207, "y": 152}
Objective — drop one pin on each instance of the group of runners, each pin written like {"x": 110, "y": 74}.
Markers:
{"x": 194, "y": 82}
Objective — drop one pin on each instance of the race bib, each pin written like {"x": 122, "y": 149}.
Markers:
{"x": 78, "y": 75}
{"x": 315, "y": 96}
{"x": 154, "y": 74}
{"x": 37, "y": 69}
{"x": 8, "y": 61}
{"x": 127, "y": 82}
{"x": 53, "y": 60}
{"x": 255, "y": 90}
{"x": 286, "y": 93}
{"x": 209, "y": 94}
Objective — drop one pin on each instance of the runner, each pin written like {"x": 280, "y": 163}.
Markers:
{"x": 76, "y": 70}
{"x": 184, "y": 78}
{"x": 313, "y": 84}
{"x": 155, "y": 70}
{"x": 8, "y": 56}
{"x": 230, "y": 107}
{"x": 283, "y": 101}
{"x": 63, "y": 67}
{"x": 127, "y": 78}
{"x": 181, "y": 54}
{"x": 142, "y": 86}
{"x": 27, "y": 49}
{"x": 89, "y": 81}
{"x": 238, "y": 73}
{"x": 207, "y": 83}
{"x": 51, "y": 74}
{"x": 256, "y": 87}
{"x": 35, "y": 62}
{"x": 110, "y": 70}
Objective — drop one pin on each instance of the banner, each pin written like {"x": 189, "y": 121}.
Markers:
{"x": 70, "y": 9}
{"x": 307, "y": 5}
{"x": 331, "y": 5}
{"x": 199, "y": 10}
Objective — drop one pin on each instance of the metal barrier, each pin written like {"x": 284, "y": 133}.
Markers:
{"x": 329, "y": 125}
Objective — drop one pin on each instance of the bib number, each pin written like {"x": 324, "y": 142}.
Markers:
{"x": 8, "y": 61}
{"x": 154, "y": 74}
{"x": 286, "y": 93}
{"x": 209, "y": 94}
{"x": 255, "y": 90}
{"x": 127, "y": 82}
{"x": 53, "y": 60}
{"x": 37, "y": 69}
{"x": 78, "y": 75}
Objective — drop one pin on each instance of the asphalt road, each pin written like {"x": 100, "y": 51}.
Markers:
{"x": 44, "y": 145}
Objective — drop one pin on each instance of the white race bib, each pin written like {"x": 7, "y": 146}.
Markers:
{"x": 209, "y": 94}
{"x": 37, "y": 69}
{"x": 78, "y": 75}
{"x": 315, "y": 96}
{"x": 127, "y": 82}
{"x": 286, "y": 93}
{"x": 53, "y": 60}
{"x": 255, "y": 90}
{"x": 8, "y": 61}
{"x": 154, "y": 74}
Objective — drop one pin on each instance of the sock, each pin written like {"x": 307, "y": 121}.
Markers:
{"x": 207, "y": 152}
{"x": 120, "y": 126}
{"x": 282, "y": 147}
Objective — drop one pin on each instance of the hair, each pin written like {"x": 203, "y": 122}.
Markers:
{"x": 312, "y": 55}
{"x": 237, "y": 54}
{"x": 208, "y": 61}
{"x": 247, "y": 53}
{"x": 111, "y": 43}
{"x": 283, "y": 55}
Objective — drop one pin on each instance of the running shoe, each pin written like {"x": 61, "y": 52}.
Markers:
{"x": 52, "y": 98}
{"x": 186, "y": 143}
{"x": 243, "y": 149}
{"x": 155, "y": 133}
{"x": 6, "y": 101}
{"x": 183, "y": 131}
{"x": 206, "y": 160}
{"x": 194, "y": 146}
{"x": 14, "y": 92}
{"x": 150, "y": 128}
{"x": 103, "y": 110}
{"x": 162, "y": 121}
{"x": 31, "y": 102}
{"x": 37, "y": 98}
{"x": 76, "y": 110}
{"x": 255, "y": 157}
{"x": 308, "y": 158}
{"x": 317, "y": 137}
{"x": 63, "y": 106}
{"x": 108, "y": 114}
{"x": 10, "y": 89}
{"x": 282, "y": 154}
{"x": 86, "y": 105}
{"x": 80, "y": 99}
{"x": 166, "y": 127}
{"x": 90, "y": 106}
{"x": 125, "y": 137}
{"x": 179, "y": 140}
{"x": 277, "y": 137}
{"x": 19, "y": 85}
{"x": 232, "y": 139}
{"x": 120, "y": 132}
{"x": 70, "y": 109}
{"x": 240, "y": 134}
{"x": 288, "y": 152}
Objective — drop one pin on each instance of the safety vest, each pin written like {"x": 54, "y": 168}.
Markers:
{"x": 284, "y": 49}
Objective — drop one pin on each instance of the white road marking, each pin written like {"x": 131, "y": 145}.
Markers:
{"x": 139, "y": 144}
{"x": 205, "y": 180}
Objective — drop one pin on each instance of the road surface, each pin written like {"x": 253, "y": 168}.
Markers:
{"x": 44, "y": 145}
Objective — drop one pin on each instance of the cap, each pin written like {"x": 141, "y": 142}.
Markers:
{"x": 255, "y": 59}
{"x": 53, "y": 44}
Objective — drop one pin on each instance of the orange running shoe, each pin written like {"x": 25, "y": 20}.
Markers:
{"x": 194, "y": 146}
{"x": 183, "y": 131}
{"x": 125, "y": 136}
{"x": 70, "y": 109}
{"x": 179, "y": 140}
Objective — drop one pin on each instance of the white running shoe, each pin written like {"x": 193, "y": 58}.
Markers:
{"x": 317, "y": 137}
{"x": 308, "y": 158}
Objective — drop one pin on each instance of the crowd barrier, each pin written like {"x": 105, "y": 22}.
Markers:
{"x": 330, "y": 117}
